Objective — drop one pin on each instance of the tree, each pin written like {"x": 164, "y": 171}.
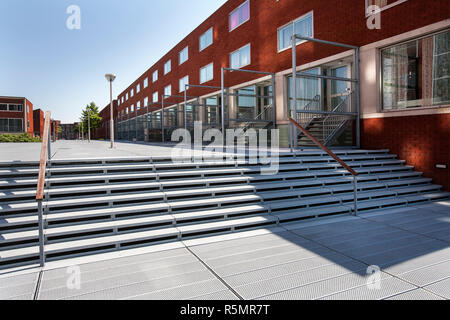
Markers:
{"x": 95, "y": 119}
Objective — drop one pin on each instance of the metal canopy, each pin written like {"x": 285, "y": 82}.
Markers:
{"x": 295, "y": 74}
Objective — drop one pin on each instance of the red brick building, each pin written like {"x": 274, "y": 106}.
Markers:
{"x": 38, "y": 122}
{"x": 402, "y": 98}
{"x": 104, "y": 132}
{"x": 16, "y": 115}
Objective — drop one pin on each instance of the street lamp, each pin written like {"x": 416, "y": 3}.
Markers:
{"x": 111, "y": 77}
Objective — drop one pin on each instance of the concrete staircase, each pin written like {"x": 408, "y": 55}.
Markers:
{"x": 100, "y": 205}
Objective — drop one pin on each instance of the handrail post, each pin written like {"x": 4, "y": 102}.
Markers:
{"x": 355, "y": 195}
{"x": 41, "y": 234}
{"x": 49, "y": 151}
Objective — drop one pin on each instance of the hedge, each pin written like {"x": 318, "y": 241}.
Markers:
{"x": 23, "y": 137}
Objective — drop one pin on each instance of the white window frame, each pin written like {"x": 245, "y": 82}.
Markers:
{"x": 138, "y": 88}
{"x": 250, "y": 62}
{"x": 145, "y": 82}
{"x": 155, "y": 95}
{"x": 132, "y": 93}
{"x": 155, "y": 76}
{"x": 168, "y": 88}
{"x": 167, "y": 67}
{"x": 182, "y": 85}
{"x": 186, "y": 49}
{"x": 126, "y": 96}
{"x": 293, "y": 30}
{"x": 145, "y": 102}
{"x": 200, "y": 39}
{"x": 238, "y": 8}
{"x": 138, "y": 105}
{"x": 203, "y": 68}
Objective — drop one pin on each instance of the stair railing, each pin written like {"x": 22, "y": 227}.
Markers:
{"x": 306, "y": 118}
{"x": 335, "y": 157}
{"x": 332, "y": 122}
{"x": 44, "y": 158}
{"x": 249, "y": 123}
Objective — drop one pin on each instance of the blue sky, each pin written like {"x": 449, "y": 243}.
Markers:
{"x": 63, "y": 70}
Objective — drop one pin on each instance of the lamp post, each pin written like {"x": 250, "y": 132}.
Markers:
{"x": 111, "y": 77}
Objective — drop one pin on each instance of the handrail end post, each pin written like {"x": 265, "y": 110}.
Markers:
{"x": 355, "y": 184}
{"x": 41, "y": 234}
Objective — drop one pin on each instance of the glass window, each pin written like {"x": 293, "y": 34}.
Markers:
{"x": 207, "y": 73}
{"x": 3, "y": 107}
{"x": 145, "y": 83}
{"x": 302, "y": 26}
{"x": 15, "y": 125}
{"x": 155, "y": 97}
{"x": 138, "y": 88}
{"x": 416, "y": 73}
{"x": 126, "y": 97}
{"x": 167, "y": 67}
{"x": 15, "y": 107}
{"x": 122, "y": 99}
{"x": 241, "y": 57}
{"x": 138, "y": 105}
{"x": 132, "y": 93}
{"x": 308, "y": 89}
{"x": 155, "y": 76}
{"x": 206, "y": 39}
{"x": 184, "y": 55}
{"x": 168, "y": 90}
{"x": 146, "y": 102}
{"x": 183, "y": 82}
{"x": 240, "y": 15}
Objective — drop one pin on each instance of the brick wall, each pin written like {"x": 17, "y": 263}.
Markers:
{"x": 423, "y": 141}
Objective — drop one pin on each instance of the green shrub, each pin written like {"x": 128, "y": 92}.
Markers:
{"x": 22, "y": 137}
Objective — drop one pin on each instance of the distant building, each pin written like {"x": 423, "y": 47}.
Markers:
{"x": 68, "y": 131}
{"x": 103, "y": 132}
{"x": 16, "y": 115}
{"x": 38, "y": 122}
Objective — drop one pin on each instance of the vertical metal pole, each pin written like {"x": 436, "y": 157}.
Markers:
{"x": 274, "y": 104}
{"x": 111, "y": 123}
{"x": 223, "y": 105}
{"x": 89, "y": 125}
{"x": 136, "y": 122}
{"x": 185, "y": 108}
{"x": 293, "y": 107}
{"x": 355, "y": 194}
{"x": 49, "y": 148}
{"x": 162, "y": 119}
{"x": 358, "y": 103}
{"x": 41, "y": 234}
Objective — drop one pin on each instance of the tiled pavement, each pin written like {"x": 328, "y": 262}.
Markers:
{"x": 325, "y": 260}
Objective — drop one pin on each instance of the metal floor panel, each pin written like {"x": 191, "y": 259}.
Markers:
{"x": 417, "y": 294}
{"x": 323, "y": 288}
{"x": 390, "y": 257}
{"x": 24, "y": 297}
{"x": 428, "y": 275}
{"x": 222, "y": 295}
{"x": 245, "y": 247}
{"x": 184, "y": 292}
{"x": 163, "y": 257}
{"x": 303, "y": 265}
{"x": 265, "y": 262}
{"x": 263, "y": 288}
{"x": 123, "y": 287}
{"x": 135, "y": 273}
{"x": 17, "y": 290}
{"x": 12, "y": 280}
{"x": 249, "y": 256}
{"x": 441, "y": 288}
{"x": 388, "y": 288}
{"x": 425, "y": 260}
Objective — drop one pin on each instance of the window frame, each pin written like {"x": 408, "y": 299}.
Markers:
{"x": 238, "y": 50}
{"x": 168, "y": 87}
{"x": 292, "y": 22}
{"x": 200, "y": 39}
{"x": 179, "y": 83}
{"x": 203, "y": 68}
{"x": 155, "y": 94}
{"x": 187, "y": 55}
{"x": 237, "y": 9}
{"x": 169, "y": 64}
{"x": 145, "y": 83}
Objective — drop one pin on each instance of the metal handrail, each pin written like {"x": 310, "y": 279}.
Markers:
{"x": 45, "y": 156}
{"x": 335, "y": 157}
{"x": 249, "y": 123}
{"x": 335, "y": 119}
